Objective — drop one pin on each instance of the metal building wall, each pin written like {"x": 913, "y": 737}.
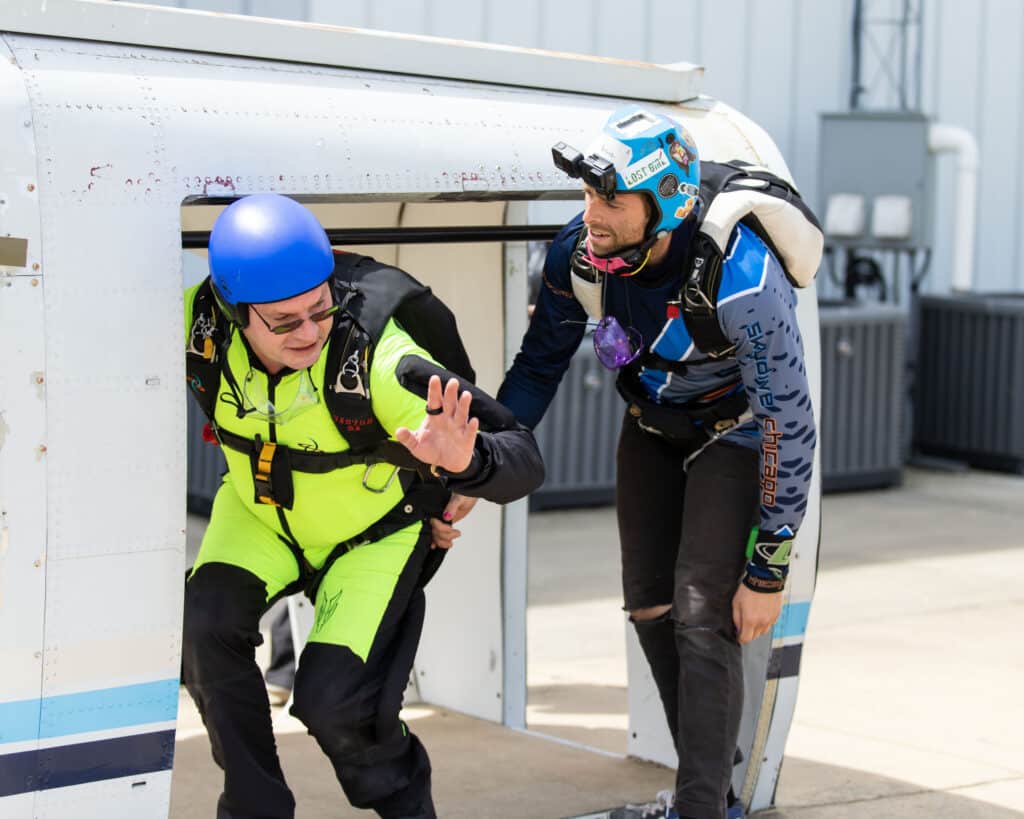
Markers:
{"x": 973, "y": 71}
{"x": 780, "y": 62}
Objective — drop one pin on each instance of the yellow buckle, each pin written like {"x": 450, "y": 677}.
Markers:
{"x": 262, "y": 477}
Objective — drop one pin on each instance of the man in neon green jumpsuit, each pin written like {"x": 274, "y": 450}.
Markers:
{"x": 353, "y": 535}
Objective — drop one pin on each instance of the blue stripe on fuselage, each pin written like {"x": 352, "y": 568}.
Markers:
{"x": 87, "y": 711}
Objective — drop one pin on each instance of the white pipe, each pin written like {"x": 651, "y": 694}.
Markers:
{"x": 953, "y": 138}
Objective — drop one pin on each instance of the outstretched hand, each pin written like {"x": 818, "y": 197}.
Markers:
{"x": 445, "y": 439}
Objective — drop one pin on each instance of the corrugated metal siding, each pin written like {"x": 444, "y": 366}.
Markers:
{"x": 782, "y": 63}
{"x": 862, "y": 396}
{"x": 969, "y": 402}
{"x": 973, "y": 70}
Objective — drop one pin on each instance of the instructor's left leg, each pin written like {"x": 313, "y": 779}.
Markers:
{"x": 721, "y": 506}
{"x": 354, "y": 669}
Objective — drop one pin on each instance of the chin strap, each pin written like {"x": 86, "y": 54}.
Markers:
{"x": 626, "y": 262}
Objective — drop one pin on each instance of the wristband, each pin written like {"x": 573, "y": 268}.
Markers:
{"x": 768, "y": 555}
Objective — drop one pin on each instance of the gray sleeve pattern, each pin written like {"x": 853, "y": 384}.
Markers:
{"x": 770, "y": 353}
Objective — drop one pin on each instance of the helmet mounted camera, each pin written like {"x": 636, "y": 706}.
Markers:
{"x": 639, "y": 151}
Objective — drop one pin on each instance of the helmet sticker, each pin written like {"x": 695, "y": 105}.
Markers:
{"x": 609, "y": 148}
{"x": 669, "y": 186}
{"x": 649, "y": 166}
{"x": 682, "y": 154}
{"x": 683, "y": 211}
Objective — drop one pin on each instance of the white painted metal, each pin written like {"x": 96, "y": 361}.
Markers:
{"x": 463, "y": 598}
{"x": 23, "y": 426}
{"x": 123, "y": 135}
{"x": 23, "y": 501}
{"x": 122, "y": 798}
{"x": 942, "y": 138}
{"x": 295, "y": 42}
{"x": 514, "y": 556}
{"x": 781, "y": 63}
{"x": 757, "y": 777}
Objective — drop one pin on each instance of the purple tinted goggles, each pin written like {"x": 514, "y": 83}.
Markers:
{"x": 615, "y": 345}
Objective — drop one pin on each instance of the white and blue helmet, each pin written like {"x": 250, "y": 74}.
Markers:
{"x": 640, "y": 151}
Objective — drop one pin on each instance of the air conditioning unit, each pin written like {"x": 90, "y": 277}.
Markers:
{"x": 969, "y": 399}
{"x": 862, "y": 395}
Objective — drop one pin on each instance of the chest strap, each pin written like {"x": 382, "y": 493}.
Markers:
{"x": 318, "y": 463}
{"x": 273, "y": 463}
{"x": 653, "y": 361}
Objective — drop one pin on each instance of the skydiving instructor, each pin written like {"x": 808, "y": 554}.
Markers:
{"x": 715, "y": 452}
{"x": 320, "y": 375}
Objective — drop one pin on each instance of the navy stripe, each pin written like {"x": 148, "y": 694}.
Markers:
{"x": 785, "y": 662}
{"x": 66, "y": 765}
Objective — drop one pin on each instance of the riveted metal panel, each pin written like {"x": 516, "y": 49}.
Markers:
{"x": 23, "y": 434}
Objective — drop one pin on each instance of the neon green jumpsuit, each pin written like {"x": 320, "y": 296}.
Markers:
{"x": 369, "y": 600}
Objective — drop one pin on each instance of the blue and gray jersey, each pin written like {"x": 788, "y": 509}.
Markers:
{"x": 757, "y": 312}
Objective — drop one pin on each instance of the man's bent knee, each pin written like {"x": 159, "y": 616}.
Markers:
{"x": 338, "y": 704}
{"x": 650, "y": 613}
{"x": 223, "y": 605}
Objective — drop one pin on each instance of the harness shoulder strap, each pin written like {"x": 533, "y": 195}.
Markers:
{"x": 770, "y": 206}
{"x": 370, "y": 294}
{"x": 205, "y": 349}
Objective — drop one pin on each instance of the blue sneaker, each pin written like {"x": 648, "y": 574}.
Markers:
{"x": 735, "y": 811}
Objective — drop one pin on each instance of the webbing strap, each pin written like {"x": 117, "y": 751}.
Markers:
{"x": 318, "y": 463}
{"x": 420, "y": 502}
{"x": 261, "y": 475}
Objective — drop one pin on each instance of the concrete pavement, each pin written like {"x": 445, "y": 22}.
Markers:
{"x": 909, "y": 703}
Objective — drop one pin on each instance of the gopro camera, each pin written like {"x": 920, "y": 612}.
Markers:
{"x": 597, "y": 172}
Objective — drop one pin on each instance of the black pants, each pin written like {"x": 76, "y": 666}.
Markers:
{"x": 281, "y": 670}
{"x": 350, "y": 706}
{"x": 683, "y": 538}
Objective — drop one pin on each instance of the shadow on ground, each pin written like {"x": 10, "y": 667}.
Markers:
{"x": 482, "y": 771}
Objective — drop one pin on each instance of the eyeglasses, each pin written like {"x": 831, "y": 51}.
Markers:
{"x": 256, "y": 402}
{"x": 295, "y": 324}
{"x": 615, "y": 345}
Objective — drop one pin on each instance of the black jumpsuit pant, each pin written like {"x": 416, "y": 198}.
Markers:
{"x": 683, "y": 538}
{"x": 350, "y": 706}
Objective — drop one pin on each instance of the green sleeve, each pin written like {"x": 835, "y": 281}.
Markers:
{"x": 393, "y": 405}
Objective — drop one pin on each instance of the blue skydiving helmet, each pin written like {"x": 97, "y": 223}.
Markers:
{"x": 265, "y": 248}
{"x": 639, "y": 151}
